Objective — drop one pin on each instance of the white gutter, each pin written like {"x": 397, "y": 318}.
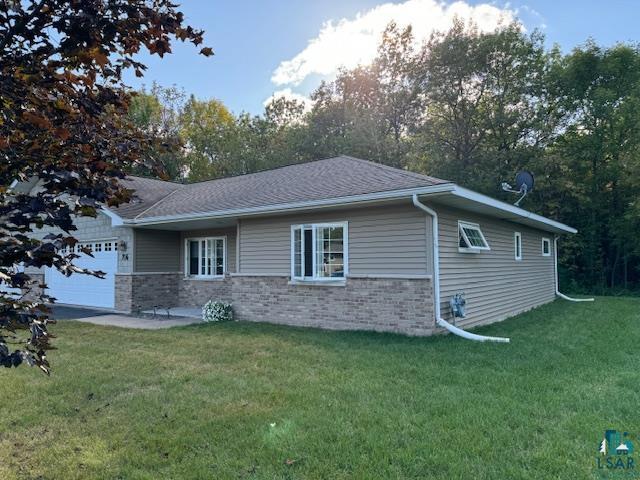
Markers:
{"x": 445, "y": 188}
{"x": 436, "y": 282}
{"x": 555, "y": 271}
{"x": 287, "y": 207}
{"x": 508, "y": 208}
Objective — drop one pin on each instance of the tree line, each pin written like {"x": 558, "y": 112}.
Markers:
{"x": 467, "y": 106}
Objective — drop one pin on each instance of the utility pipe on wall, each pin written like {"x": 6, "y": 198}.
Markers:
{"x": 555, "y": 271}
{"x": 436, "y": 282}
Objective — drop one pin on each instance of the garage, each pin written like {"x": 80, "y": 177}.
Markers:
{"x": 86, "y": 289}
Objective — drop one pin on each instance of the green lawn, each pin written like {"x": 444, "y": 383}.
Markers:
{"x": 261, "y": 401}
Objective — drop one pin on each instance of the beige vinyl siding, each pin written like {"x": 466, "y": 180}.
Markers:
{"x": 382, "y": 240}
{"x": 157, "y": 251}
{"x": 495, "y": 284}
{"x": 229, "y": 233}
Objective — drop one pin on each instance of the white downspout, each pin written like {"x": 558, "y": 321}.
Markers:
{"x": 555, "y": 271}
{"x": 436, "y": 282}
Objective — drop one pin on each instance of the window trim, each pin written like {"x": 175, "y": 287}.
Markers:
{"x": 461, "y": 232}
{"x": 548, "y": 242}
{"x": 199, "y": 276}
{"x": 517, "y": 245}
{"x": 314, "y": 227}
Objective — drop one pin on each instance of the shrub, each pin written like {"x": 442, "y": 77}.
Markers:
{"x": 215, "y": 311}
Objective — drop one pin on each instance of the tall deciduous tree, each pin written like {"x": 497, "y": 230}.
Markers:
{"x": 64, "y": 121}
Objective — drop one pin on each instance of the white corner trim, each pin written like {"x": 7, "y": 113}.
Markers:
{"x": 116, "y": 220}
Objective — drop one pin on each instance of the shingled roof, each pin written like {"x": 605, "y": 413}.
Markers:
{"x": 318, "y": 180}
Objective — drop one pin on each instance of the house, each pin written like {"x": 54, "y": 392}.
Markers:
{"x": 622, "y": 449}
{"x": 340, "y": 243}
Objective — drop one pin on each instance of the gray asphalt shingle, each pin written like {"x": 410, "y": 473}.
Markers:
{"x": 318, "y": 180}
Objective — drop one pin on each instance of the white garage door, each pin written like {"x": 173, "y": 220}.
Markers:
{"x": 87, "y": 290}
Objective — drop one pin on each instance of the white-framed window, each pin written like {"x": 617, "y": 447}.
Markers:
{"x": 517, "y": 245}
{"x": 205, "y": 257}
{"x": 470, "y": 238}
{"x": 546, "y": 247}
{"x": 98, "y": 247}
{"x": 319, "y": 251}
{"x": 108, "y": 246}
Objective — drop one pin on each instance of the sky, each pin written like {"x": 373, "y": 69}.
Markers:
{"x": 286, "y": 47}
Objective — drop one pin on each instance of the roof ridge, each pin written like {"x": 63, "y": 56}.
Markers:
{"x": 264, "y": 170}
{"x": 408, "y": 173}
{"x": 138, "y": 177}
{"x": 156, "y": 203}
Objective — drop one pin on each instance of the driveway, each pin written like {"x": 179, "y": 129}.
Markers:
{"x": 63, "y": 312}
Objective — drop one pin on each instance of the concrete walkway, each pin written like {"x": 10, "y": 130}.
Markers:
{"x": 123, "y": 321}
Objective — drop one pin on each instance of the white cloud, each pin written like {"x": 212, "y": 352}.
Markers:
{"x": 290, "y": 95}
{"x": 350, "y": 42}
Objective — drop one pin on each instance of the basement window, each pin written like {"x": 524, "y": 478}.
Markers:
{"x": 319, "y": 251}
{"x": 205, "y": 257}
{"x": 470, "y": 238}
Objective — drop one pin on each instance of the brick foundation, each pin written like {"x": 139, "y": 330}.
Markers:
{"x": 143, "y": 291}
{"x": 382, "y": 304}
{"x": 195, "y": 293}
{"x": 402, "y": 305}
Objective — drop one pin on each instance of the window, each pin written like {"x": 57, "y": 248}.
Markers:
{"x": 319, "y": 251}
{"x": 546, "y": 247}
{"x": 517, "y": 245}
{"x": 471, "y": 238}
{"x": 205, "y": 257}
{"x": 108, "y": 247}
{"x": 98, "y": 247}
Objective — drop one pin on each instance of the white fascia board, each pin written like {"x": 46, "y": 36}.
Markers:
{"x": 511, "y": 209}
{"x": 288, "y": 207}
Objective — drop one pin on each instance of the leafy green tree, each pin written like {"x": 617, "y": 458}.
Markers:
{"x": 207, "y": 129}
{"x": 600, "y": 93}
{"x": 486, "y": 113}
{"x": 157, "y": 113}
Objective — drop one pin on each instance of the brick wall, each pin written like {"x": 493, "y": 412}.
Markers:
{"x": 383, "y": 304}
{"x": 402, "y": 305}
{"x": 135, "y": 292}
{"x": 195, "y": 293}
{"x": 124, "y": 294}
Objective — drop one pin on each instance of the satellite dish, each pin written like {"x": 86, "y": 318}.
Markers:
{"x": 524, "y": 181}
{"x": 524, "y": 184}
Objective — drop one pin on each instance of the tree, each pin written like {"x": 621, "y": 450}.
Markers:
{"x": 369, "y": 111}
{"x": 486, "y": 111}
{"x": 207, "y": 129}
{"x": 599, "y": 90}
{"x": 64, "y": 121}
{"x": 157, "y": 113}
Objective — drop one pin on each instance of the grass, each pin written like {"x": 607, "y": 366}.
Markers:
{"x": 260, "y": 401}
